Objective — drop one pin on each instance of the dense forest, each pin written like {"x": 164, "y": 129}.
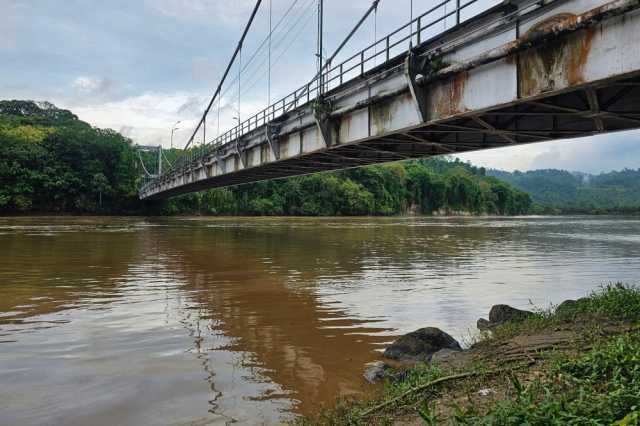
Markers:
{"x": 52, "y": 162}
{"x": 434, "y": 186}
{"x": 559, "y": 191}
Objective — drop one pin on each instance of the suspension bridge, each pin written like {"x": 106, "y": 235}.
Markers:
{"x": 520, "y": 72}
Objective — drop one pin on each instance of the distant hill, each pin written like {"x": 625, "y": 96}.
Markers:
{"x": 560, "y": 191}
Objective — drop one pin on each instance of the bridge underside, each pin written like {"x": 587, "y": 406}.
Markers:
{"x": 578, "y": 84}
{"x": 585, "y": 111}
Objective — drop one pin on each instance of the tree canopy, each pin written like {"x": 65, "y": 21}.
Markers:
{"x": 434, "y": 186}
{"x": 52, "y": 162}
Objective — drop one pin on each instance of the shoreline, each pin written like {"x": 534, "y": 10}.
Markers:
{"x": 521, "y": 364}
{"x": 408, "y": 216}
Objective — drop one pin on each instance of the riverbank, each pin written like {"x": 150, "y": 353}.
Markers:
{"x": 576, "y": 363}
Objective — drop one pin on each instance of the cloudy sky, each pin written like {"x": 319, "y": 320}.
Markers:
{"x": 138, "y": 66}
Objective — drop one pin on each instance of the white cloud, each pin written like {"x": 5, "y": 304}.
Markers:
{"x": 92, "y": 84}
{"x": 593, "y": 154}
{"x": 147, "y": 118}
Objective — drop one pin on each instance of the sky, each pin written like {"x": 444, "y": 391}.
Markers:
{"x": 139, "y": 66}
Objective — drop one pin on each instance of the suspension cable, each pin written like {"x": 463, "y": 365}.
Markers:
{"x": 165, "y": 158}
{"x": 290, "y": 36}
{"x": 143, "y": 166}
{"x": 275, "y": 45}
{"x": 269, "y": 72}
{"x": 258, "y": 49}
{"x": 375, "y": 36}
{"x": 239, "y": 81}
{"x": 328, "y": 62}
{"x": 301, "y": 25}
{"x": 226, "y": 72}
{"x": 320, "y": 40}
{"x": 218, "y": 131}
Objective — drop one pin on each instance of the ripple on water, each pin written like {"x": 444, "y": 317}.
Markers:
{"x": 147, "y": 321}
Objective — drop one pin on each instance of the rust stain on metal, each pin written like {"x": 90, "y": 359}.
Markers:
{"x": 540, "y": 37}
{"x": 457, "y": 90}
{"x": 579, "y": 56}
{"x": 557, "y": 64}
{"x": 446, "y": 99}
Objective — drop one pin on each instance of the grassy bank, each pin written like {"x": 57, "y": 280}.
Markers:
{"x": 576, "y": 364}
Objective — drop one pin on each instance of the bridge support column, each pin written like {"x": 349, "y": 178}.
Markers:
{"x": 220, "y": 164}
{"x": 415, "y": 66}
{"x": 322, "y": 114}
{"x": 240, "y": 152}
{"x": 273, "y": 137}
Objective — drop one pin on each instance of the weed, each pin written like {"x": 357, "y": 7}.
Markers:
{"x": 428, "y": 414}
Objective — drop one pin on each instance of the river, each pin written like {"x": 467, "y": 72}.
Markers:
{"x": 175, "y": 321}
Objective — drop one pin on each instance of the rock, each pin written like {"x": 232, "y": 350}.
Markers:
{"x": 483, "y": 324}
{"x": 570, "y": 303}
{"x": 420, "y": 345}
{"x": 444, "y": 355}
{"x": 500, "y": 314}
{"x": 486, "y": 392}
{"x": 566, "y": 304}
{"x": 375, "y": 371}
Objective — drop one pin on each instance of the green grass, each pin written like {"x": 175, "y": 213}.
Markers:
{"x": 618, "y": 302}
{"x": 612, "y": 302}
{"x": 599, "y": 387}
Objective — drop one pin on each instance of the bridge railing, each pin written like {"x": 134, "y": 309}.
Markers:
{"x": 418, "y": 30}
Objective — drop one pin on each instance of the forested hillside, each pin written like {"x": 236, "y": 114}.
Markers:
{"x": 51, "y": 162}
{"x": 560, "y": 191}
{"x": 424, "y": 186}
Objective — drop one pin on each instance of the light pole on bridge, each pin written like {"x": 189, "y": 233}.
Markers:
{"x": 173, "y": 129}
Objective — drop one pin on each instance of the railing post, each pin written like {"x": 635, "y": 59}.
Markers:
{"x": 457, "y": 12}
{"x": 420, "y": 27}
{"x": 341, "y": 74}
{"x": 387, "y": 48}
{"x": 362, "y": 62}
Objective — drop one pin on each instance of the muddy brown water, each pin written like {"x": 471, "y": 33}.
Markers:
{"x": 155, "y": 321}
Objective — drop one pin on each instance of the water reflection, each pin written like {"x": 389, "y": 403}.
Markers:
{"x": 171, "y": 321}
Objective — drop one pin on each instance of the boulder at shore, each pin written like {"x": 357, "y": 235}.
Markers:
{"x": 420, "y": 345}
{"x": 375, "y": 371}
{"x": 500, "y": 314}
